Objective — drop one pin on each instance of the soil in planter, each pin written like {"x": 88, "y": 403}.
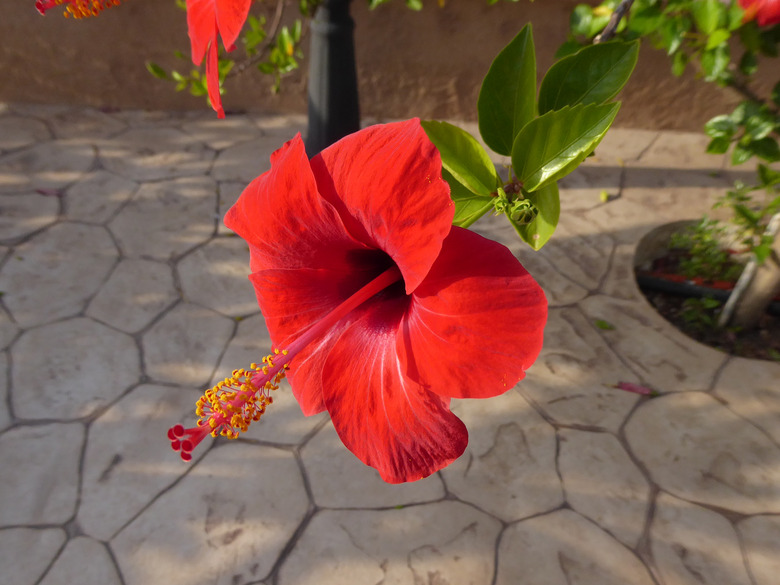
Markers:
{"x": 697, "y": 318}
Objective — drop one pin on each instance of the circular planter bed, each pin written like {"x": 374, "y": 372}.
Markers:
{"x": 692, "y": 304}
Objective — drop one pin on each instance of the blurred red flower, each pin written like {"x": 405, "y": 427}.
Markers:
{"x": 765, "y": 12}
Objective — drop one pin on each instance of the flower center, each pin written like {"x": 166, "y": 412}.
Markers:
{"x": 77, "y": 8}
{"x": 228, "y": 408}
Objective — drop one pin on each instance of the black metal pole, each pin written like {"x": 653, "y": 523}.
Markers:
{"x": 334, "y": 111}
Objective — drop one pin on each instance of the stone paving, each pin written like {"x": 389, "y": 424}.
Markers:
{"x": 123, "y": 297}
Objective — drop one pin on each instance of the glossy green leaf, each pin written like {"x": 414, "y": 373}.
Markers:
{"x": 507, "y": 99}
{"x": 548, "y": 202}
{"x": 463, "y": 157}
{"x": 552, "y": 145}
{"x": 156, "y": 70}
{"x": 593, "y": 75}
{"x": 469, "y": 207}
{"x": 717, "y": 37}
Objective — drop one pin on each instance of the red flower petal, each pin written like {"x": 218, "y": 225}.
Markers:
{"x": 387, "y": 420}
{"x": 212, "y": 79}
{"x": 202, "y": 27}
{"x": 285, "y": 221}
{"x": 385, "y": 181}
{"x": 291, "y": 300}
{"x": 231, "y": 15}
{"x": 476, "y": 322}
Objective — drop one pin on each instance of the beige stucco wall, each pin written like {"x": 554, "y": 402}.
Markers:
{"x": 427, "y": 64}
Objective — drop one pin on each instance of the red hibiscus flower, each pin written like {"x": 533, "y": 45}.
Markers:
{"x": 76, "y": 8}
{"x": 766, "y": 12}
{"x": 205, "y": 20}
{"x": 385, "y": 310}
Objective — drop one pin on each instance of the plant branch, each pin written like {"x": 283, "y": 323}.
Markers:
{"x": 614, "y": 21}
{"x": 271, "y": 36}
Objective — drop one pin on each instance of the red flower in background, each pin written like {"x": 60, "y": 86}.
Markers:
{"x": 76, "y": 8}
{"x": 766, "y": 12}
{"x": 386, "y": 311}
{"x": 205, "y": 20}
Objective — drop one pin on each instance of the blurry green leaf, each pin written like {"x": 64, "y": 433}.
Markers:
{"x": 717, "y": 37}
{"x": 760, "y": 125}
{"x": 463, "y": 157}
{"x": 469, "y": 207}
{"x": 714, "y": 62}
{"x": 718, "y": 145}
{"x": 156, "y": 70}
{"x": 769, "y": 177}
{"x": 679, "y": 63}
{"x": 507, "y": 99}
{"x": 580, "y": 20}
{"x": 776, "y": 94}
{"x": 720, "y": 127}
{"x": 548, "y": 204}
{"x": 748, "y": 64}
{"x": 605, "y": 325}
{"x": 594, "y": 75}
{"x": 552, "y": 145}
{"x": 766, "y": 149}
{"x": 708, "y": 14}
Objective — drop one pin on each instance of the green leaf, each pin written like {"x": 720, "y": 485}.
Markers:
{"x": 707, "y": 14}
{"x": 463, "y": 157}
{"x": 552, "y": 145}
{"x": 594, "y": 75}
{"x": 769, "y": 177}
{"x": 679, "y": 63}
{"x": 507, "y": 98}
{"x": 776, "y": 93}
{"x": 760, "y": 125}
{"x": 718, "y": 145}
{"x": 720, "y": 127}
{"x": 717, "y": 37}
{"x": 581, "y": 19}
{"x": 766, "y": 149}
{"x": 469, "y": 207}
{"x": 748, "y": 64}
{"x": 605, "y": 325}
{"x": 548, "y": 202}
{"x": 714, "y": 62}
{"x": 156, "y": 70}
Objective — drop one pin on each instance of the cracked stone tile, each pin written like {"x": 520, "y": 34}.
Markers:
{"x": 761, "y": 538}
{"x": 5, "y": 415}
{"x": 24, "y": 214}
{"x": 283, "y": 126}
{"x": 225, "y": 523}
{"x": 84, "y": 123}
{"x": 185, "y": 344}
{"x": 620, "y": 281}
{"x": 44, "y": 484}
{"x": 229, "y": 192}
{"x": 25, "y": 553}
{"x": 47, "y": 165}
{"x": 71, "y": 259}
{"x": 127, "y": 462}
{"x": 135, "y": 294}
{"x": 626, "y": 219}
{"x": 622, "y": 145}
{"x": 85, "y": 562}
{"x": 340, "y": 480}
{"x": 603, "y": 484}
{"x": 17, "y": 132}
{"x": 446, "y": 542}
{"x": 97, "y": 197}
{"x": 216, "y": 276}
{"x": 697, "y": 449}
{"x": 680, "y": 150}
{"x": 8, "y": 330}
{"x": 508, "y": 468}
{"x": 580, "y": 252}
{"x": 70, "y": 369}
{"x": 751, "y": 388}
{"x": 283, "y": 423}
{"x": 220, "y": 134}
{"x": 151, "y": 154}
{"x": 668, "y": 195}
{"x": 582, "y": 188}
{"x": 559, "y": 289}
{"x": 246, "y": 161}
{"x": 563, "y": 548}
{"x": 166, "y": 219}
{"x": 692, "y": 545}
{"x": 662, "y": 356}
{"x": 571, "y": 379}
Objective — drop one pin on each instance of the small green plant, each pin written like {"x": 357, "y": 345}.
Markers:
{"x": 701, "y": 314}
{"x": 703, "y": 255}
